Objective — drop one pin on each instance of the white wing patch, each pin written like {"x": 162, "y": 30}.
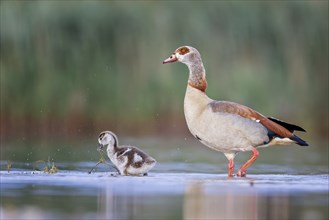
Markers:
{"x": 137, "y": 158}
{"x": 126, "y": 151}
{"x": 254, "y": 119}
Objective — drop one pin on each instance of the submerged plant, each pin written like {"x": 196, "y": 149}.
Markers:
{"x": 50, "y": 169}
{"x": 53, "y": 169}
{"x": 8, "y": 165}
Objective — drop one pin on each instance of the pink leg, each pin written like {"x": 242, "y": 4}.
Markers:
{"x": 230, "y": 167}
{"x": 243, "y": 169}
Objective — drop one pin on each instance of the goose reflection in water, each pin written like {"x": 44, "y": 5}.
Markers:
{"x": 202, "y": 202}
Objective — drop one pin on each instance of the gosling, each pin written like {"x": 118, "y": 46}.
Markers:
{"x": 128, "y": 160}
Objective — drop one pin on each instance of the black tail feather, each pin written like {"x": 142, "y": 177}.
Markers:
{"x": 299, "y": 141}
{"x": 286, "y": 125}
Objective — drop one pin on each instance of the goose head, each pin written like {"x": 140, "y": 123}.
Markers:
{"x": 185, "y": 54}
{"x": 107, "y": 138}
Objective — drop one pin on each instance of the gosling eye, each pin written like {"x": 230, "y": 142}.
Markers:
{"x": 101, "y": 136}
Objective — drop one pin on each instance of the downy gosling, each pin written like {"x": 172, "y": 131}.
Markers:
{"x": 128, "y": 160}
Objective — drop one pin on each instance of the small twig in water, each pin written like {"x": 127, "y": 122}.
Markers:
{"x": 94, "y": 168}
{"x": 101, "y": 160}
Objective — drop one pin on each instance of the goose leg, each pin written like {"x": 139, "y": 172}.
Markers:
{"x": 243, "y": 169}
{"x": 230, "y": 167}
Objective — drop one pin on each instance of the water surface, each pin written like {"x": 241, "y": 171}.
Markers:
{"x": 189, "y": 182}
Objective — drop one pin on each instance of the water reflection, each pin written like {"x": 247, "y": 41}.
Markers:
{"x": 232, "y": 203}
{"x": 79, "y": 195}
{"x": 208, "y": 199}
{"x": 133, "y": 204}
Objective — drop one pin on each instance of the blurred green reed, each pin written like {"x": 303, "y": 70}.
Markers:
{"x": 75, "y": 67}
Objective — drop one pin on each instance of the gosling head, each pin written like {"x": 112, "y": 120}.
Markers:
{"x": 107, "y": 138}
{"x": 185, "y": 54}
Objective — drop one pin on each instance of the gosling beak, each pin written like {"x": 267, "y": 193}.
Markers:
{"x": 100, "y": 147}
{"x": 171, "y": 59}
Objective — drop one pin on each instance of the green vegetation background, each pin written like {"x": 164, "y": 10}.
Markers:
{"x": 75, "y": 68}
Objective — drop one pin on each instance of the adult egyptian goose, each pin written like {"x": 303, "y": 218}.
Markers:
{"x": 128, "y": 160}
{"x": 225, "y": 126}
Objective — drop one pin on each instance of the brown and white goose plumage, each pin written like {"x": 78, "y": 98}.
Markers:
{"x": 225, "y": 126}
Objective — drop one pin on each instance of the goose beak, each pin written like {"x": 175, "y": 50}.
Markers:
{"x": 171, "y": 59}
{"x": 100, "y": 147}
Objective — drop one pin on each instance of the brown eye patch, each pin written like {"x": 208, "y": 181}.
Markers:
{"x": 183, "y": 50}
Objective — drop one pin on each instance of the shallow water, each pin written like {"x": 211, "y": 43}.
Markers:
{"x": 189, "y": 182}
{"x": 161, "y": 195}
